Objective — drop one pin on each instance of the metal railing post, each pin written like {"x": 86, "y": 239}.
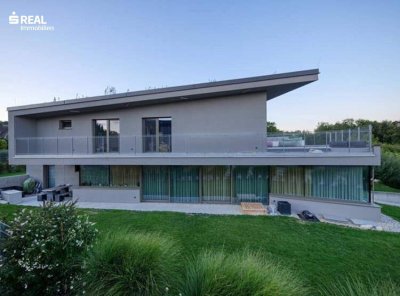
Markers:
{"x": 349, "y": 139}
{"x": 72, "y": 145}
{"x": 134, "y": 145}
{"x": 370, "y": 137}
{"x": 326, "y": 141}
{"x": 57, "y": 145}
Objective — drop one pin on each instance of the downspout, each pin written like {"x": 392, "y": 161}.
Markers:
{"x": 372, "y": 187}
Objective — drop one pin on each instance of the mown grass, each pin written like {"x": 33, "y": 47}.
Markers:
{"x": 391, "y": 211}
{"x": 382, "y": 187}
{"x": 8, "y": 174}
{"x": 316, "y": 252}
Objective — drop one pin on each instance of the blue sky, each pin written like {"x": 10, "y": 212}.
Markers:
{"x": 139, "y": 44}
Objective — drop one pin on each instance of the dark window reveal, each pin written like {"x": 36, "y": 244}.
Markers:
{"x": 65, "y": 124}
{"x": 157, "y": 134}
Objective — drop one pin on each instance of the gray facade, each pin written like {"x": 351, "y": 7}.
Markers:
{"x": 212, "y": 124}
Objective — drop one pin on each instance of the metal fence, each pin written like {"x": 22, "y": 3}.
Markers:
{"x": 358, "y": 139}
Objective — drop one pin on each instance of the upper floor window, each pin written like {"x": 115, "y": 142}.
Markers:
{"x": 65, "y": 124}
{"x": 157, "y": 134}
{"x": 106, "y": 135}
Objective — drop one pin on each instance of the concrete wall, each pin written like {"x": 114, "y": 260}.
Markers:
{"x": 330, "y": 208}
{"x": 65, "y": 174}
{"x": 19, "y": 127}
{"x": 241, "y": 115}
{"x": 232, "y": 114}
{"x": 36, "y": 171}
{"x": 93, "y": 194}
{"x": 387, "y": 197}
{"x": 12, "y": 181}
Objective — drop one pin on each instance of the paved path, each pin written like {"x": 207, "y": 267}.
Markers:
{"x": 213, "y": 209}
{"x": 386, "y": 223}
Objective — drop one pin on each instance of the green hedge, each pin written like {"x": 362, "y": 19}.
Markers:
{"x": 389, "y": 171}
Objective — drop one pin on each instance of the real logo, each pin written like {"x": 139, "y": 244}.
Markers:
{"x": 29, "y": 22}
{"x": 14, "y": 19}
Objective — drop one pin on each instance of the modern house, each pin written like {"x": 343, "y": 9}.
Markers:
{"x": 200, "y": 143}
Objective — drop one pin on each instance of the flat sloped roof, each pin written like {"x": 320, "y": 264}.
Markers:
{"x": 274, "y": 85}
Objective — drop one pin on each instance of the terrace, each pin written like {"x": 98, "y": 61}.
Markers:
{"x": 343, "y": 142}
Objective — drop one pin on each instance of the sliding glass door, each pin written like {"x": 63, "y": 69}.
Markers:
{"x": 185, "y": 184}
{"x": 216, "y": 183}
{"x": 251, "y": 183}
{"x": 155, "y": 183}
{"x": 157, "y": 134}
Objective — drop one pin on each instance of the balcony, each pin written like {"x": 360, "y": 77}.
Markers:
{"x": 331, "y": 142}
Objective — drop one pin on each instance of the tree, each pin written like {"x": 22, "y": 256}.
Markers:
{"x": 271, "y": 127}
{"x": 3, "y": 144}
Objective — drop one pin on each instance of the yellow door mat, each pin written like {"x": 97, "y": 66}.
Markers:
{"x": 253, "y": 208}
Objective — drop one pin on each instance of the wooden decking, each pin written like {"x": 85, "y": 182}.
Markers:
{"x": 253, "y": 208}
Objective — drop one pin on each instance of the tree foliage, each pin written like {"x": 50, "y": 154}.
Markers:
{"x": 3, "y": 144}
{"x": 272, "y": 128}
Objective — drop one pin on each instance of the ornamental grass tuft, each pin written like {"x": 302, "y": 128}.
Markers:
{"x": 133, "y": 264}
{"x": 247, "y": 274}
{"x": 357, "y": 286}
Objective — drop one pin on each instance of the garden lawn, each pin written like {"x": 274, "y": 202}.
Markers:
{"x": 391, "y": 211}
{"x": 8, "y": 174}
{"x": 316, "y": 252}
{"x": 382, "y": 187}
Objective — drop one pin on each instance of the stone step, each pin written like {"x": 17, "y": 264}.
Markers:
{"x": 253, "y": 208}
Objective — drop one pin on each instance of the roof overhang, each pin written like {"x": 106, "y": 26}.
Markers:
{"x": 274, "y": 86}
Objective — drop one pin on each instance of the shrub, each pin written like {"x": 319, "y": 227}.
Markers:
{"x": 391, "y": 148}
{"x": 246, "y": 274}
{"x": 389, "y": 171}
{"x": 356, "y": 286}
{"x": 3, "y": 144}
{"x": 29, "y": 185}
{"x": 44, "y": 252}
{"x": 133, "y": 264}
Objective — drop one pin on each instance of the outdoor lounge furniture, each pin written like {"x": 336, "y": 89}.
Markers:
{"x": 12, "y": 196}
{"x": 57, "y": 194}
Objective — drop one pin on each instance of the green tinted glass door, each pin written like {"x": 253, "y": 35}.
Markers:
{"x": 216, "y": 183}
{"x": 251, "y": 184}
{"x": 155, "y": 183}
{"x": 185, "y": 184}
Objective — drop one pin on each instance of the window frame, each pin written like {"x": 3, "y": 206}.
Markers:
{"x": 61, "y": 123}
{"x": 157, "y": 134}
{"x": 107, "y": 136}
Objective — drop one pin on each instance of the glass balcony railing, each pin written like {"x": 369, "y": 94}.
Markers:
{"x": 354, "y": 140}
